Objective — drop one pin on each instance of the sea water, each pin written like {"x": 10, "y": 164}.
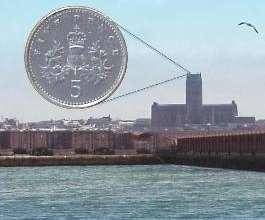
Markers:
{"x": 130, "y": 192}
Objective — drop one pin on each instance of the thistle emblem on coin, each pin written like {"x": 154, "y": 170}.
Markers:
{"x": 76, "y": 57}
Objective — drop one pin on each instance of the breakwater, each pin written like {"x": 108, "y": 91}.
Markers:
{"x": 245, "y": 151}
{"x": 232, "y": 161}
{"x": 78, "y": 160}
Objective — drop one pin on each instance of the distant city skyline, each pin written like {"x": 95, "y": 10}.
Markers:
{"x": 202, "y": 35}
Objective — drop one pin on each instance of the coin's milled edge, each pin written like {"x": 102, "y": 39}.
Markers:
{"x": 62, "y": 103}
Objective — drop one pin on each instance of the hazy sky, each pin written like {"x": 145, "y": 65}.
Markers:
{"x": 201, "y": 35}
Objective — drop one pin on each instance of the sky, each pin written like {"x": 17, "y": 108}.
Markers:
{"x": 203, "y": 36}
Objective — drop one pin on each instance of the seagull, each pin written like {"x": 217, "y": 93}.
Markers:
{"x": 250, "y": 25}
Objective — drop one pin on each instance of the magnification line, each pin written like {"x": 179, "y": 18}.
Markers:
{"x": 145, "y": 88}
{"x": 153, "y": 48}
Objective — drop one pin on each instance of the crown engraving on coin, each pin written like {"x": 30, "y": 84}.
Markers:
{"x": 76, "y": 57}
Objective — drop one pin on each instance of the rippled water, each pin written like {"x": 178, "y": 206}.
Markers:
{"x": 130, "y": 192}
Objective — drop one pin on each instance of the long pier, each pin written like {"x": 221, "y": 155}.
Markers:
{"x": 240, "y": 143}
{"x": 245, "y": 151}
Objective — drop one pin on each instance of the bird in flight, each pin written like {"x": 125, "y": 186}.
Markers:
{"x": 250, "y": 25}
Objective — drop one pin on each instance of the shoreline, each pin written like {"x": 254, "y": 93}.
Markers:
{"x": 245, "y": 162}
{"x": 225, "y": 161}
{"x": 78, "y": 160}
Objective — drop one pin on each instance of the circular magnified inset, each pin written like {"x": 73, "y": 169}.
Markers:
{"x": 76, "y": 57}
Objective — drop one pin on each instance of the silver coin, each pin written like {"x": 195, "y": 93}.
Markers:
{"x": 76, "y": 57}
